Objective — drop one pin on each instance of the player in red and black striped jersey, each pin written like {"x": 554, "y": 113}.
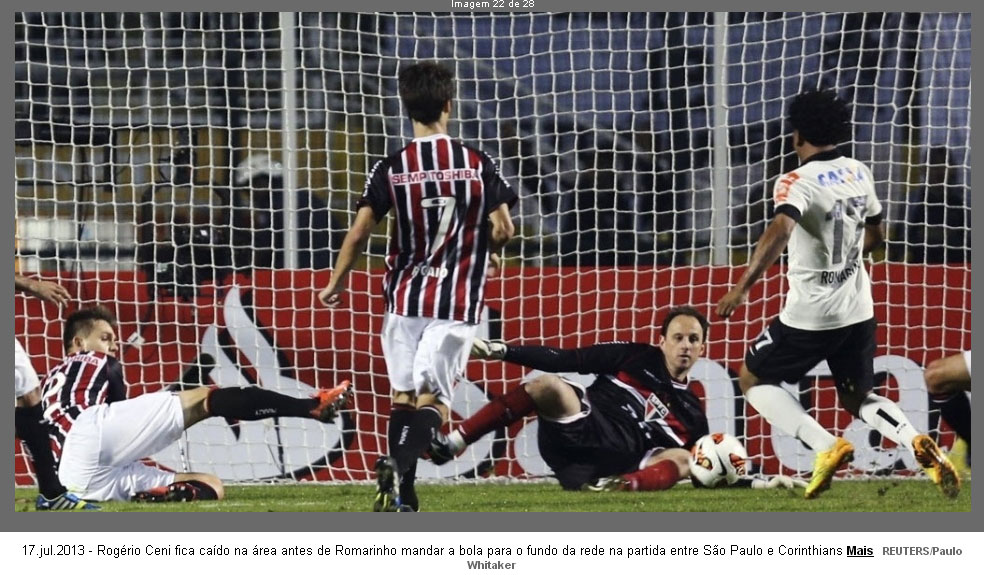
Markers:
{"x": 100, "y": 437}
{"x": 451, "y": 214}
{"x": 636, "y": 421}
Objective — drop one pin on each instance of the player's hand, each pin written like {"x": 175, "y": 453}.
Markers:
{"x": 785, "y": 482}
{"x": 50, "y": 292}
{"x": 495, "y": 266}
{"x": 731, "y": 301}
{"x": 488, "y": 349}
{"x": 331, "y": 296}
{"x": 777, "y": 482}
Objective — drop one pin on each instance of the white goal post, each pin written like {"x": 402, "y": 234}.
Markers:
{"x": 159, "y": 158}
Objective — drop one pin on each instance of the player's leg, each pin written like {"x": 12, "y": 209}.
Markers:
{"x": 947, "y": 380}
{"x": 254, "y": 403}
{"x": 660, "y": 470}
{"x": 852, "y": 366}
{"x": 439, "y": 360}
{"x": 781, "y": 354}
{"x": 184, "y": 487}
{"x": 548, "y": 394}
{"x": 399, "y": 337}
{"x": 30, "y": 428}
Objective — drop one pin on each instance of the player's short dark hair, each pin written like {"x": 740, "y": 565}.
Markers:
{"x": 424, "y": 89}
{"x": 688, "y": 311}
{"x": 821, "y": 117}
{"x": 82, "y": 321}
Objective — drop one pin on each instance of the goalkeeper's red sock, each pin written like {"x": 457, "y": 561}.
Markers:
{"x": 663, "y": 475}
{"x": 499, "y": 412}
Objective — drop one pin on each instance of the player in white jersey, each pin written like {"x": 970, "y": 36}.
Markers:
{"x": 828, "y": 214}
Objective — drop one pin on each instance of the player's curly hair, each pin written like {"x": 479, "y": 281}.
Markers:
{"x": 821, "y": 117}
{"x": 424, "y": 89}
{"x": 688, "y": 311}
{"x": 82, "y": 321}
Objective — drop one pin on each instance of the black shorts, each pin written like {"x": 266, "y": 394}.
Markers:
{"x": 607, "y": 441}
{"x": 784, "y": 353}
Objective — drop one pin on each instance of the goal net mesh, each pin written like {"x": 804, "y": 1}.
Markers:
{"x": 196, "y": 173}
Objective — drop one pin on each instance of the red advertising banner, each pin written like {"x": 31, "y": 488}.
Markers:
{"x": 269, "y": 330}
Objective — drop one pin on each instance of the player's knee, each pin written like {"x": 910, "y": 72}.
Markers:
{"x": 29, "y": 399}
{"x": 747, "y": 380}
{"x": 218, "y": 487}
{"x": 404, "y": 398}
{"x": 681, "y": 457}
{"x": 935, "y": 376}
{"x": 545, "y": 387}
{"x": 550, "y": 389}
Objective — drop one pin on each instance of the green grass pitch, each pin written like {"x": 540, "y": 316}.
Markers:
{"x": 854, "y": 495}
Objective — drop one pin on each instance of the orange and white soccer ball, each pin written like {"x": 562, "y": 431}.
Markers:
{"x": 718, "y": 459}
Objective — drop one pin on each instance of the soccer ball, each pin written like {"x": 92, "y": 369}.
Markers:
{"x": 717, "y": 459}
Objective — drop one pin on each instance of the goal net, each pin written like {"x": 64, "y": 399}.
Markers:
{"x": 196, "y": 173}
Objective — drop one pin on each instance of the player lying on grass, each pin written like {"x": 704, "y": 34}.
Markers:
{"x": 100, "y": 436}
{"x": 629, "y": 431}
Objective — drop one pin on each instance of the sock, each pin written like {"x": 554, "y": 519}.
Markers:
{"x": 498, "y": 413}
{"x": 425, "y": 422}
{"x": 408, "y": 490}
{"x": 253, "y": 403}
{"x": 955, "y": 410}
{"x": 29, "y": 427}
{"x": 886, "y": 417}
{"x": 663, "y": 475}
{"x": 401, "y": 417}
{"x": 782, "y": 410}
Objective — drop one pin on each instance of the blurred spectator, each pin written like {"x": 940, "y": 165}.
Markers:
{"x": 258, "y": 219}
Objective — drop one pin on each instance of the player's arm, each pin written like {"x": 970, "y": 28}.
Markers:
{"x": 765, "y": 482}
{"x": 874, "y": 233}
{"x": 500, "y": 195}
{"x": 601, "y": 358}
{"x": 353, "y": 246}
{"x": 768, "y": 250}
{"x": 502, "y": 228}
{"x": 44, "y": 290}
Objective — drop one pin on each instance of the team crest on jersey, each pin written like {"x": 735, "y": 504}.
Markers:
{"x": 655, "y": 409}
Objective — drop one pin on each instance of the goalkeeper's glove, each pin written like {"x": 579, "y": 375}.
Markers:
{"x": 767, "y": 482}
{"x": 488, "y": 349}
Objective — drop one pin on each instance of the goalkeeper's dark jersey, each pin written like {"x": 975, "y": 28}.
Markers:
{"x": 79, "y": 382}
{"x": 633, "y": 390}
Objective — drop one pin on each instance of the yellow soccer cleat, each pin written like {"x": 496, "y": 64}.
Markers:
{"x": 826, "y": 464}
{"x": 936, "y": 465}
{"x": 960, "y": 458}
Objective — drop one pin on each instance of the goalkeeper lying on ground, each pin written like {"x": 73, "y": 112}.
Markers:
{"x": 629, "y": 431}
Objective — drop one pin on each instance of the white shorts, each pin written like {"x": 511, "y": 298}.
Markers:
{"x": 967, "y": 360}
{"x": 100, "y": 460}
{"x": 426, "y": 355}
{"x": 25, "y": 378}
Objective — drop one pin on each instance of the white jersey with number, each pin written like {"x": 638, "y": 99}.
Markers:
{"x": 828, "y": 283}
